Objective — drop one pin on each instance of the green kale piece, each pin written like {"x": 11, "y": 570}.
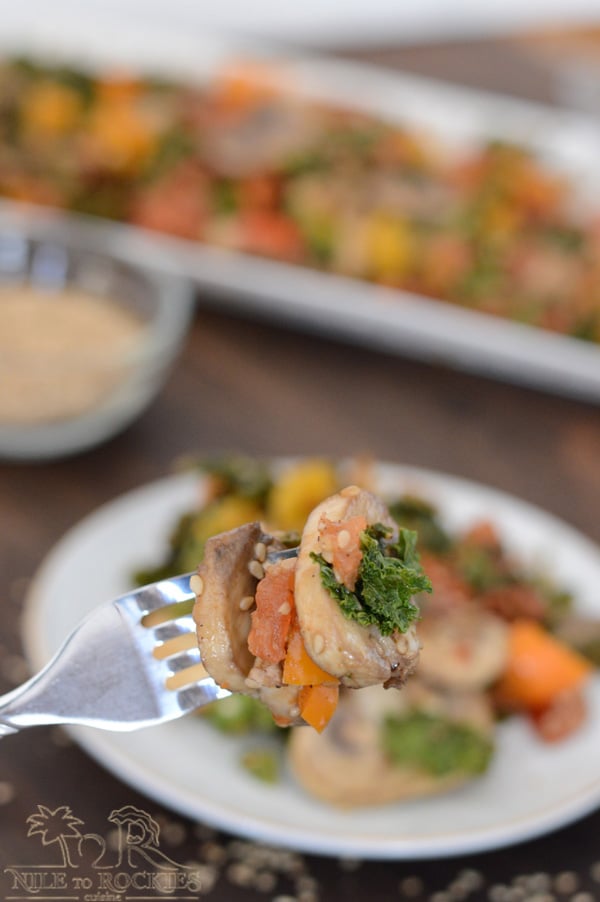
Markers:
{"x": 180, "y": 551}
{"x": 262, "y": 763}
{"x": 240, "y": 714}
{"x": 435, "y": 744}
{"x": 388, "y": 576}
{"x": 411, "y": 512}
{"x": 483, "y": 568}
{"x": 239, "y": 475}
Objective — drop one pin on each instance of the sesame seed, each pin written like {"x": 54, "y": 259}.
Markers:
{"x": 411, "y": 887}
{"x": 471, "y": 878}
{"x": 204, "y": 875}
{"x": 595, "y": 872}
{"x": 213, "y": 853}
{"x": 307, "y": 896}
{"x": 318, "y": 644}
{"x": 516, "y": 894}
{"x": 539, "y": 882}
{"x": 256, "y": 569}
{"x": 203, "y": 831}
{"x": 566, "y": 882}
{"x": 7, "y": 792}
{"x": 246, "y": 602}
{"x": 458, "y": 889}
{"x": 265, "y": 881}
{"x": 285, "y": 608}
{"x": 343, "y": 538}
{"x": 260, "y": 551}
{"x": 173, "y": 833}
{"x": 240, "y": 874}
{"x": 197, "y": 584}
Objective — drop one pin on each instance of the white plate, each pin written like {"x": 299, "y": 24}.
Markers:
{"x": 358, "y": 311}
{"x": 530, "y": 789}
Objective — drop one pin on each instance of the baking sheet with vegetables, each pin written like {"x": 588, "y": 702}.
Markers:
{"x": 462, "y": 213}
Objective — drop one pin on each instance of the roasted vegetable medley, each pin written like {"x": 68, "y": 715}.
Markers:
{"x": 243, "y": 164}
{"x": 497, "y": 641}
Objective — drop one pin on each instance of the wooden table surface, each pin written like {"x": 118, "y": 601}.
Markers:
{"x": 257, "y": 388}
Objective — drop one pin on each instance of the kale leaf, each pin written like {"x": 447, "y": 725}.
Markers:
{"x": 435, "y": 744}
{"x": 389, "y": 575}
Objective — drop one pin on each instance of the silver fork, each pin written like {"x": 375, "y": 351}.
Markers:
{"x": 131, "y": 663}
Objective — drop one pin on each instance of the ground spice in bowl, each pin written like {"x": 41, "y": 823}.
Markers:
{"x": 61, "y": 353}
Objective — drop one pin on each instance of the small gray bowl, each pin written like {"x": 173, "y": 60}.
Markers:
{"x": 60, "y": 403}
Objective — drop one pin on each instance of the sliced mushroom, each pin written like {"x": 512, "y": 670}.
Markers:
{"x": 223, "y": 618}
{"x": 463, "y": 649}
{"x": 346, "y": 766}
{"x": 358, "y": 655}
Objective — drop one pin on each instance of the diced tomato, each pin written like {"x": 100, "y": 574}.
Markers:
{"x": 341, "y": 542}
{"x": 271, "y": 234}
{"x": 273, "y": 615}
{"x": 258, "y": 192}
{"x": 562, "y": 717}
{"x": 178, "y": 204}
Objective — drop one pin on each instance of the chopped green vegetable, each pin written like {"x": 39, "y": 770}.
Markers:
{"x": 262, "y": 763}
{"x": 174, "y": 146}
{"x": 240, "y": 714}
{"x": 239, "y": 475}
{"x": 435, "y": 744}
{"x": 415, "y": 513}
{"x": 388, "y": 576}
{"x": 176, "y": 557}
{"x": 225, "y": 197}
{"x": 483, "y": 568}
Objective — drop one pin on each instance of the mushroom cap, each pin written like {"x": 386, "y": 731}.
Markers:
{"x": 358, "y": 655}
{"x": 346, "y": 766}
{"x": 222, "y": 626}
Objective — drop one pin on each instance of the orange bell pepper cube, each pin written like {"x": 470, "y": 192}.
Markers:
{"x": 317, "y": 704}
{"x": 299, "y": 669}
{"x": 540, "y": 667}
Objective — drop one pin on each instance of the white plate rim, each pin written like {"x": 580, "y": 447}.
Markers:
{"x": 107, "y": 748}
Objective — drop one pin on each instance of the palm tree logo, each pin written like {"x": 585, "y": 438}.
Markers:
{"x": 56, "y": 827}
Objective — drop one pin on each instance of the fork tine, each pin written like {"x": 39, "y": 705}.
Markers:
{"x": 181, "y": 660}
{"x": 174, "y": 628}
{"x": 194, "y": 696}
{"x": 163, "y": 593}
{"x": 110, "y": 672}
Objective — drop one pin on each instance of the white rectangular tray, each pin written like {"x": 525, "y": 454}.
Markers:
{"x": 346, "y": 308}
